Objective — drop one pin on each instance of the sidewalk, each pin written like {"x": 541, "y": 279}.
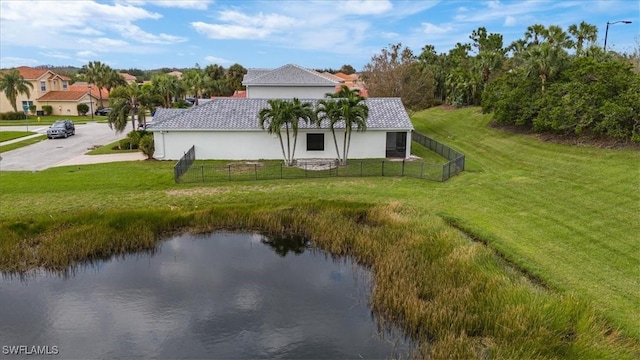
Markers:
{"x": 19, "y": 139}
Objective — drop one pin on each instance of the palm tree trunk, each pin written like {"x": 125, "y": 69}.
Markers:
{"x": 288, "y": 159}
{"x": 346, "y": 152}
{"x": 284, "y": 155}
{"x": 344, "y": 147}
{"x": 295, "y": 141}
{"x": 335, "y": 142}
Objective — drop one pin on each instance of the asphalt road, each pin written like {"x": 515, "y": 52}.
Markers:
{"x": 51, "y": 152}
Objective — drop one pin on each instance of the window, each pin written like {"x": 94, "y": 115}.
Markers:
{"x": 315, "y": 142}
{"x": 43, "y": 86}
{"x": 64, "y": 85}
{"x": 27, "y": 102}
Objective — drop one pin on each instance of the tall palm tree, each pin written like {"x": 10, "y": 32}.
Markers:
{"x": 557, "y": 37}
{"x": 583, "y": 32}
{"x": 13, "y": 84}
{"x": 95, "y": 73}
{"x": 300, "y": 111}
{"x": 354, "y": 112}
{"x": 125, "y": 103}
{"x": 166, "y": 86}
{"x": 535, "y": 32}
{"x": 288, "y": 114}
{"x": 112, "y": 79}
{"x": 543, "y": 60}
{"x": 272, "y": 118}
{"x": 195, "y": 81}
{"x": 328, "y": 111}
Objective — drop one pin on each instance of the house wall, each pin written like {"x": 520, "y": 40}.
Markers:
{"x": 288, "y": 92}
{"x": 64, "y": 108}
{"x": 255, "y": 145}
{"x": 5, "y": 105}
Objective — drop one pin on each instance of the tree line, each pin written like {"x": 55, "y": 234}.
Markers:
{"x": 550, "y": 80}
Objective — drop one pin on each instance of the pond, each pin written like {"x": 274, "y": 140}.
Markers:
{"x": 220, "y": 295}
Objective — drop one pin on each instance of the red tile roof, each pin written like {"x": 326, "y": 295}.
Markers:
{"x": 64, "y": 95}
{"x": 352, "y": 77}
{"x": 239, "y": 94}
{"x": 29, "y": 73}
{"x": 82, "y": 86}
{"x": 128, "y": 77}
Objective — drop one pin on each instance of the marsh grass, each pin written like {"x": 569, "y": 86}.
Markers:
{"x": 450, "y": 295}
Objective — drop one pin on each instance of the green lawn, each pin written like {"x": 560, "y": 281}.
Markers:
{"x": 48, "y": 120}
{"x": 23, "y": 143}
{"x": 10, "y": 135}
{"x": 567, "y": 215}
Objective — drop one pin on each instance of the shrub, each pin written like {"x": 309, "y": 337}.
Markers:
{"x": 147, "y": 146}
{"x": 48, "y": 109}
{"x": 13, "y": 115}
{"x": 83, "y": 109}
{"x": 32, "y": 109}
{"x": 125, "y": 144}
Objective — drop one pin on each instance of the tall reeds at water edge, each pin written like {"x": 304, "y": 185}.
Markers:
{"x": 452, "y": 296}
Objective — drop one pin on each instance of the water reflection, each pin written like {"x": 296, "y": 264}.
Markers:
{"x": 224, "y": 295}
{"x": 282, "y": 245}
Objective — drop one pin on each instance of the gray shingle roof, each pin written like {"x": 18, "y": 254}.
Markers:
{"x": 290, "y": 74}
{"x": 242, "y": 114}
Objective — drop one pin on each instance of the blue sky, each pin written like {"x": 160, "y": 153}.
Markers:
{"x": 148, "y": 34}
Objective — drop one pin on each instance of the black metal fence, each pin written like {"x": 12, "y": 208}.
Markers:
{"x": 185, "y": 162}
{"x": 185, "y": 172}
{"x": 456, "y": 160}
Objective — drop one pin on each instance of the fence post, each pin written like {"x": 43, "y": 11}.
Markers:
{"x": 229, "y": 166}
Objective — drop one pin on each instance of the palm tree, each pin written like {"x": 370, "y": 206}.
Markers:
{"x": 13, "y": 84}
{"x": 195, "y": 81}
{"x": 299, "y": 111}
{"x": 273, "y": 118}
{"x": 288, "y": 114}
{"x": 95, "y": 73}
{"x": 125, "y": 104}
{"x": 583, "y": 32}
{"x": 534, "y": 32}
{"x": 354, "y": 112}
{"x": 543, "y": 60}
{"x": 166, "y": 86}
{"x": 112, "y": 79}
{"x": 329, "y": 111}
{"x": 557, "y": 37}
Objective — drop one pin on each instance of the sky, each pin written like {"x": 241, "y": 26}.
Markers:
{"x": 152, "y": 34}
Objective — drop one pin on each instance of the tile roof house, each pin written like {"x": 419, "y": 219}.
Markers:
{"x": 227, "y": 128}
{"x": 49, "y": 88}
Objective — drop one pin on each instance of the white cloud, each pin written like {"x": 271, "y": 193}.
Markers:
{"x": 432, "y": 29}
{"x": 237, "y": 25}
{"x": 365, "y": 7}
{"x": 86, "y": 54}
{"x": 389, "y": 35}
{"x": 183, "y": 4}
{"x": 11, "y": 61}
{"x": 103, "y": 44}
{"x": 55, "y": 54}
{"x": 133, "y": 32}
{"x": 510, "y": 21}
{"x": 217, "y": 60}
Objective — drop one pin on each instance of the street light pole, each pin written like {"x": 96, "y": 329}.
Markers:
{"x": 90, "y": 100}
{"x": 606, "y": 33}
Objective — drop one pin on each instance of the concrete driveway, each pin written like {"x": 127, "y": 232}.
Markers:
{"x": 59, "y": 152}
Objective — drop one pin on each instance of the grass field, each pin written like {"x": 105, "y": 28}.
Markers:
{"x": 48, "y": 120}
{"x": 566, "y": 215}
{"x": 10, "y": 135}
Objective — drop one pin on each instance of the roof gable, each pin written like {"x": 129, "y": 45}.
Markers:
{"x": 289, "y": 75}
{"x": 29, "y": 73}
{"x": 242, "y": 114}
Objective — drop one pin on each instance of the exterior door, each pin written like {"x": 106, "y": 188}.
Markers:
{"x": 396, "y": 145}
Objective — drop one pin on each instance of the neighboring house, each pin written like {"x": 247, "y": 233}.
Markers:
{"x": 52, "y": 89}
{"x": 95, "y": 94}
{"x": 227, "y": 128}
{"x": 128, "y": 78}
{"x": 177, "y": 74}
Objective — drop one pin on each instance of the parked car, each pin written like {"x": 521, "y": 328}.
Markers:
{"x": 103, "y": 112}
{"x": 61, "y": 128}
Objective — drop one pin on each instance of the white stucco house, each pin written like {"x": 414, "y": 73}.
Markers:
{"x": 227, "y": 128}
